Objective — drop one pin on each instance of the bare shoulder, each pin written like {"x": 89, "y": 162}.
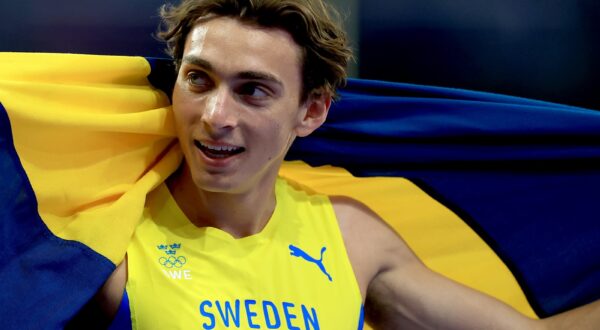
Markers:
{"x": 362, "y": 227}
{"x": 373, "y": 246}
{"x": 400, "y": 291}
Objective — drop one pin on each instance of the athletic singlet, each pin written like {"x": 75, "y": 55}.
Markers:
{"x": 294, "y": 274}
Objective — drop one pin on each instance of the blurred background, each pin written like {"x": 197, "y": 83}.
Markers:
{"x": 548, "y": 50}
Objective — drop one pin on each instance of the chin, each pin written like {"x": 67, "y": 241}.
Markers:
{"x": 215, "y": 183}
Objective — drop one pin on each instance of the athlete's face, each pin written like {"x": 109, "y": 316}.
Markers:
{"x": 237, "y": 105}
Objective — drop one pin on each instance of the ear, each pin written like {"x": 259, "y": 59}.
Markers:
{"x": 313, "y": 113}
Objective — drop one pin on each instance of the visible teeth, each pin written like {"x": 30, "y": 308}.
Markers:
{"x": 217, "y": 148}
{"x": 220, "y": 148}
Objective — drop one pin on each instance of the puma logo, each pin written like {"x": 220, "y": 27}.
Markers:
{"x": 297, "y": 252}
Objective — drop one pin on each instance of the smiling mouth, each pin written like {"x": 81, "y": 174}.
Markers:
{"x": 218, "y": 152}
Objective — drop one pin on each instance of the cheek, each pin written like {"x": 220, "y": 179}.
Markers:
{"x": 267, "y": 134}
{"x": 185, "y": 109}
{"x": 179, "y": 115}
{"x": 177, "y": 104}
{"x": 277, "y": 140}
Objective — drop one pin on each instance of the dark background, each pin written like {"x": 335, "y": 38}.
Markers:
{"x": 547, "y": 50}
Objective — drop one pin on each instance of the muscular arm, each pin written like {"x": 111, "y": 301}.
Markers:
{"x": 584, "y": 317}
{"x": 410, "y": 295}
{"x": 401, "y": 292}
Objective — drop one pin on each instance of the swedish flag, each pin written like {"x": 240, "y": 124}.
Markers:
{"x": 497, "y": 192}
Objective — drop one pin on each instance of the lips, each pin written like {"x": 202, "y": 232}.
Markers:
{"x": 215, "y": 151}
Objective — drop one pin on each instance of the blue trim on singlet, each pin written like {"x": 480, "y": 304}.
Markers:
{"x": 122, "y": 320}
{"x": 361, "y": 320}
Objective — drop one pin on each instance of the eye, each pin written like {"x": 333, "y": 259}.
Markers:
{"x": 254, "y": 91}
{"x": 199, "y": 79}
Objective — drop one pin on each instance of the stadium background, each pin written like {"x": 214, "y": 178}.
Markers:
{"x": 543, "y": 50}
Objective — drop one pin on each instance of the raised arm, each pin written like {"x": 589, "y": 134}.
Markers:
{"x": 408, "y": 294}
{"x": 401, "y": 292}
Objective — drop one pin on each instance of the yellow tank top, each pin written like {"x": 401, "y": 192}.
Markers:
{"x": 294, "y": 274}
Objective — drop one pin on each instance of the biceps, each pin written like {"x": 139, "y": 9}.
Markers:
{"x": 412, "y": 296}
{"x": 394, "y": 301}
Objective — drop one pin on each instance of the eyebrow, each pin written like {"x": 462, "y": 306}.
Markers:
{"x": 250, "y": 75}
{"x": 195, "y": 60}
{"x": 257, "y": 75}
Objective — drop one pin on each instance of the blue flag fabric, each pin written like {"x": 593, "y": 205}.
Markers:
{"x": 45, "y": 279}
{"x": 83, "y": 138}
{"x": 522, "y": 173}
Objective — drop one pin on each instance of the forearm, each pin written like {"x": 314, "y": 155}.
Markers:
{"x": 584, "y": 317}
{"x": 427, "y": 300}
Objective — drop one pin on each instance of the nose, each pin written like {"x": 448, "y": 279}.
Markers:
{"x": 220, "y": 112}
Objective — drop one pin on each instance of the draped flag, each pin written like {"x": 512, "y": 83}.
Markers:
{"x": 496, "y": 192}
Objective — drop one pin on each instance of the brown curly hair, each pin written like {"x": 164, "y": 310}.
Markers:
{"x": 312, "y": 23}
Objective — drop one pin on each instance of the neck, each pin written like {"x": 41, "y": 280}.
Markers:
{"x": 240, "y": 214}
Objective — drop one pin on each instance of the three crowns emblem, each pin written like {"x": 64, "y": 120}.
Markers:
{"x": 171, "y": 260}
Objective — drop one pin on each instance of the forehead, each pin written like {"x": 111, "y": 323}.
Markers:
{"x": 231, "y": 45}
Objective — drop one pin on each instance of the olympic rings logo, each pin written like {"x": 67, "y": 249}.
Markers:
{"x": 171, "y": 261}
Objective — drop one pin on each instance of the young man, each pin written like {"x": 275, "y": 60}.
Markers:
{"x": 227, "y": 244}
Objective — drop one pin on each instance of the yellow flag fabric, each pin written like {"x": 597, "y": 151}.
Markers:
{"x": 94, "y": 137}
